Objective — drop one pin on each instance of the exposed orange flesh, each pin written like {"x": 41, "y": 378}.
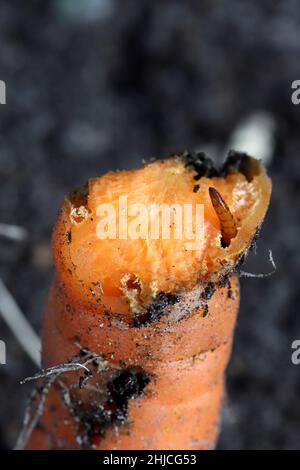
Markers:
{"x": 88, "y": 264}
{"x": 102, "y": 286}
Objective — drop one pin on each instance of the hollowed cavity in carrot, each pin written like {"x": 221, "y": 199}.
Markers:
{"x": 149, "y": 302}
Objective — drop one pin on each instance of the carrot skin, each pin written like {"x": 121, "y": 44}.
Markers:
{"x": 181, "y": 405}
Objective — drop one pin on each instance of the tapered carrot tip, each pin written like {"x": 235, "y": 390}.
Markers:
{"x": 142, "y": 309}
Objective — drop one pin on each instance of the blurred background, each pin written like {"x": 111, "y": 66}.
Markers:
{"x": 95, "y": 85}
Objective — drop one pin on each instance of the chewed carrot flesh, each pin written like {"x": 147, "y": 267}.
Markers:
{"x": 227, "y": 222}
{"x": 151, "y": 320}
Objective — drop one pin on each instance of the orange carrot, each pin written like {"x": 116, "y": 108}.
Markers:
{"x": 143, "y": 327}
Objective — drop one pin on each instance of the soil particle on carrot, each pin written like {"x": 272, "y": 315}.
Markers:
{"x": 240, "y": 162}
{"x": 201, "y": 164}
{"x": 205, "y": 311}
{"x": 235, "y": 162}
{"x": 209, "y": 291}
{"x": 94, "y": 419}
{"x": 230, "y": 291}
{"x": 155, "y": 311}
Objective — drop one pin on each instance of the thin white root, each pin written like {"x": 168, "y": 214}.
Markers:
{"x": 30, "y": 424}
{"x": 261, "y": 275}
{"x": 33, "y": 414}
{"x": 20, "y": 327}
{"x": 67, "y": 367}
{"x": 55, "y": 370}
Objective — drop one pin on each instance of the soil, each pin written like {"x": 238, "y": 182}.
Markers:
{"x": 100, "y": 90}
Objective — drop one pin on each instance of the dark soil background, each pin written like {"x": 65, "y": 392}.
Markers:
{"x": 95, "y": 85}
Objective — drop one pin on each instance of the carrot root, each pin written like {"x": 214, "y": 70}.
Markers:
{"x": 150, "y": 323}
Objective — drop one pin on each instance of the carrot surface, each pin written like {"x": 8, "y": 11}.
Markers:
{"x": 151, "y": 320}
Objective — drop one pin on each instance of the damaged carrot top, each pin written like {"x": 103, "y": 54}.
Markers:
{"x": 101, "y": 258}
